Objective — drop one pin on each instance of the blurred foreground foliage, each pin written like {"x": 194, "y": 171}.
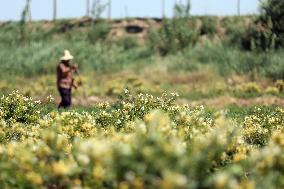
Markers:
{"x": 142, "y": 142}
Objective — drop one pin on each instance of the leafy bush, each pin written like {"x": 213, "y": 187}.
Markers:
{"x": 272, "y": 90}
{"x": 263, "y": 166}
{"x": 251, "y": 88}
{"x": 259, "y": 37}
{"x": 235, "y": 28}
{"x": 247, "y": 90}
{"x": 116, "y": 87}
{"x": 209, "y": 26}
{"x": 280, "y": 85}
{"x": 17, "y": 108}
{"x": 260, "y": 123}
{"x": 127, "y": 43}
{"x": 134, "y": 107}
{"x": 174, "y": 36}
{"x": 99, "y": 31}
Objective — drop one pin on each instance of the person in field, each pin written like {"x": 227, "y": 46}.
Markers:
{"x": 65, "y": 80}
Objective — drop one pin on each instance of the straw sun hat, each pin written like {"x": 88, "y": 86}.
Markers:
{"x": 67, "y": 56}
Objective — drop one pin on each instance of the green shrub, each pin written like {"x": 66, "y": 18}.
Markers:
{"x": 134, "y": 107}
{"x": 247, "y": 90}
{"x": 174, "y": 36}
{"x": 127, "y": 43}
{"x": 235, "y": 28}
{"x": 260, "y": 125}
{"x": 99, "y": 31}
{"x": 227, "y": 60}
{"x": 9, "y": 34}
{"x": 259, "y": 37}
{"x": 272, "y": 90}
{"x": 251, "y": 88}
{"x": 280, "y": 85}
{"x": 209, "y": 25}
{"x": 17, "y": 108}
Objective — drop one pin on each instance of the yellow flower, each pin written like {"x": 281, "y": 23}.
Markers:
{"x": 138, "y": 183}
{"x": 53, "y": 114}
{"x": 2, "y": 149}
{"x": 123, "y": 185}
{"x": 246, "y": 185}
{"x": 34, "y": 178}
{"x": 10, "y": 150}
{"x": 239, "y": 157}
{"x": 43, "y": 151}
{"x": 98, "y": 172}
{"x": 60, "y": 168}
{"x": 221, "y": 180}
{"x": 83, "y": 159}
{"x": 278, "y": 138}
{"x": 77, "y": 182}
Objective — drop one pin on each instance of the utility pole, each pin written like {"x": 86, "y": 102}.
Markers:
{"x": 54, "y": 10}
{"x": 109, "y": 9}
{"x": 163, "y": 9}
{"x": 239, "y": 7}
{"x": 87, "y": 8}
{"x": 126, "y": 11}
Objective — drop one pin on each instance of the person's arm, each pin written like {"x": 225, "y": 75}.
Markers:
{"x": 74, "y": 67}
{"x": 74, "y": 84}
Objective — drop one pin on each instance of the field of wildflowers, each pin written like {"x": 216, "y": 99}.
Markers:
{"x": 140, "y": 141}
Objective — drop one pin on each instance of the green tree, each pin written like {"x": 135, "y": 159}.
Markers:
{"x": 272, "y": 12}
{"x": 267, "y": 32}
{"x": 182, "y": 9}
{"x": 25, "y": 16}
{"x": 98, "y": 8}
{"x": 175, "y": 34}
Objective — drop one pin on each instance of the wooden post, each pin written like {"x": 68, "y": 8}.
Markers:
{"x": 54, "y": 10}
